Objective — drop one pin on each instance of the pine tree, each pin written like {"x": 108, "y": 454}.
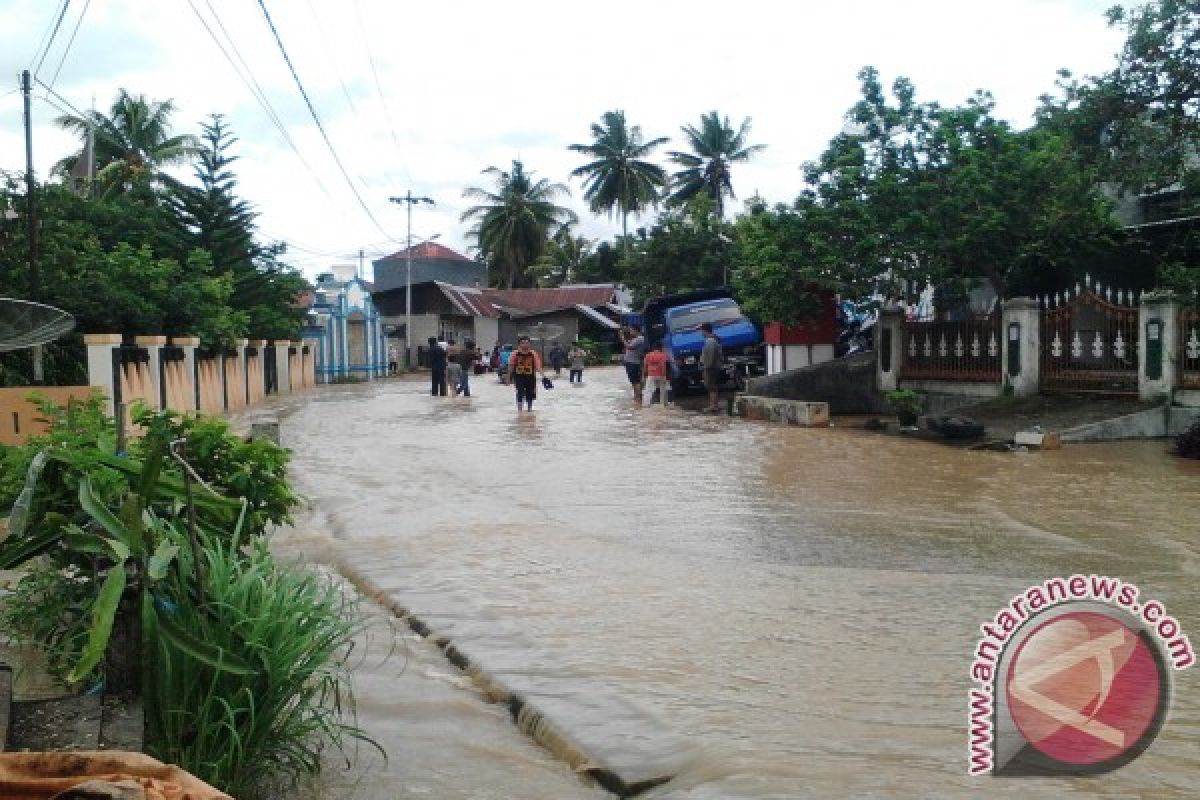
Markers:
{"x": 215, "y": 220}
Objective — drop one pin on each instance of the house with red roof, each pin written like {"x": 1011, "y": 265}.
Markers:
{"x": 450, "y": 301}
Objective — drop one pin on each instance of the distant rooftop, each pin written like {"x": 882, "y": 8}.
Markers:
{"x": 429, "y": 251}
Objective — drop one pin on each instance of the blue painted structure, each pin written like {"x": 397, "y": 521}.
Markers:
{"x": 344, "y": 330}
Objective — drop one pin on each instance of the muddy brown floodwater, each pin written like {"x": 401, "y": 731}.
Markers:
{"x": 801, "y": 606}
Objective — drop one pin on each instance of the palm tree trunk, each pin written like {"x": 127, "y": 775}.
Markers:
{"x": 625, "y": 230}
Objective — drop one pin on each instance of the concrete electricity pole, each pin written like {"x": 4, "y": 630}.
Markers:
{"x": 408, "y": 200}
{"x": 35, "y": 278}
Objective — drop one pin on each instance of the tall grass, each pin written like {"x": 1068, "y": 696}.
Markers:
{"x": 243, "y": 733}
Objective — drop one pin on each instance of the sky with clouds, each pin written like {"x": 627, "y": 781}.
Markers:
{"x": 423, "y": 96}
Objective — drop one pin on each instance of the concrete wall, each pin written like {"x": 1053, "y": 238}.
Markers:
{"x": 782, "y": 357}
{"x": 848, "y": 385}
{"x": 20, "y": 418}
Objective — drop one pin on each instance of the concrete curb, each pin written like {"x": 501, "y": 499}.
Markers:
{"x": 525, "y": 714}
{"x": 1154, "y": 423}
{"x": 783, "y": 412}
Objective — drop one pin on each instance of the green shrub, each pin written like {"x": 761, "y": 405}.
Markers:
{"x": 254, "y": 470}
{"x": 907, "y": 404}
{"x": 240, "y": 731}
{"x": 598, "y": 353}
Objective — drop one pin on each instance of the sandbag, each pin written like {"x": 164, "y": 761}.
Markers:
{"x": 97, "y": 775}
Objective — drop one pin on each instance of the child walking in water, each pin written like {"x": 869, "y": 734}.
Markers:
{"x": 523, "y": 367}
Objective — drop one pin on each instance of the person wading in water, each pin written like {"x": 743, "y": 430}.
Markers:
{"x": 524, "y": 365}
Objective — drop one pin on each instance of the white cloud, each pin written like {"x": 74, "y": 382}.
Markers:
{"x": 472, "y": 84}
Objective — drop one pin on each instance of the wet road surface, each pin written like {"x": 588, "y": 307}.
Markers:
{"x": 800, "y": 605}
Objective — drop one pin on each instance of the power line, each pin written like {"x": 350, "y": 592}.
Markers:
{"x": 317, "y": 119}
{"x": 44, "y": 43}
{"x": 255, "y": 88}
{"x": 70, "y": 42}
{"x": 53, "y": 35}
{"x": 387, "y": 113}
{"x": 332, "y": 58}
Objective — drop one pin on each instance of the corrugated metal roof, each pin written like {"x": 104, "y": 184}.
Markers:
{"x": 596, "y": 316}
{"x": 539, "y": 301}
{"x": 469, "y": 301}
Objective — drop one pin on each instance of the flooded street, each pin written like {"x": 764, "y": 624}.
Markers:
{"x": 799, "y": 606}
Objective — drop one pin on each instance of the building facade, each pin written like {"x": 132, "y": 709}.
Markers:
{"x": 345, "y": 331}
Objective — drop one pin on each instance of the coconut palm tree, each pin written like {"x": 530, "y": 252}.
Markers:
{"x": 133, "y": 142}
{"x": 716, "y": 147}
{"x": 619, "y": 180}
{"x": 512, "y": 223}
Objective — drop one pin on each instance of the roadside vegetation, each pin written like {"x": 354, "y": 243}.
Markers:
{"x": 132, "y": 250}
{"x": 149, "y": 573}
{"x": 909, "y": 191}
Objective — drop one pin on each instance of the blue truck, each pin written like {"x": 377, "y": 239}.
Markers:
{"x": 675, "y": 320}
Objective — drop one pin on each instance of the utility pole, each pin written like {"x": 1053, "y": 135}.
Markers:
{"x": 35, "y": 278}
{"x": 360, "y": 264}
{"x": 409, "y": 201}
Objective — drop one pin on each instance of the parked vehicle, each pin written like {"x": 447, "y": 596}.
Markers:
{"x": 676, "y": 319}
{"x": 857, "y": 329}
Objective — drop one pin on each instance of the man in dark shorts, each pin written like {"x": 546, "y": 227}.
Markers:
{"x": 524, "y": 366}
{"x": 712, "y": 361}
{"x": 635, "y": 351}
{"x": 437, "y": 367}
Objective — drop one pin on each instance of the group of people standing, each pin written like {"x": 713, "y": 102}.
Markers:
{"x": 651, "y": 369}
{"x": 451, "y": 366}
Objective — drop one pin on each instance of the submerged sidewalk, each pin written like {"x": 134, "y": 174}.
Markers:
{"x": 442, "y": 738}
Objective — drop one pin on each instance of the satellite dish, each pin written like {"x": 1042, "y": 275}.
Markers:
{"x": 543, "y": 332}
{"x": 25, "y": 324}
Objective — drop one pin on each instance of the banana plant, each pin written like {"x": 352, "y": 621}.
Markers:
{"x": 140, "y": 548}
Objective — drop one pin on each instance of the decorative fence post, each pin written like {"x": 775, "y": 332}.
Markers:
{"x": 234, "y": 368}
{"x": 309, "y": 366}
{"x": 1158, "y": 345}
{"x": 255, "y": 379}
{"x": 283, "y": 375}
{"x": 154, "y": 345}
{"x": 189, "y": 387}
{"x": 101, "y": 372}
{"x": 890, "y": 348}
{"x": 1021, "y": 362}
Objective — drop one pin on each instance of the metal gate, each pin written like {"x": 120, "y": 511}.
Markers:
{"x": 1089, "y": 341}
{"x": 966, "y": 350}
{"x": 1189, "y": 348}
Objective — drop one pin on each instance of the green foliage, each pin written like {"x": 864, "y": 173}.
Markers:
{"x": 598, "y": 353}
{"x": 908, "y": 404}
{"x": 82, "y": 428}
{"x": 49, "y": 607}
{"x": 216, "y": 221}
{"x": 688, "y": 248}
{"x": 784, "y": 263}
{"x": 513, "y": 223}
{"x": 253, "y": 470}
{"x": 913, "y": 192}
{"x": 133, "y": 142}
{"x": 243, "y": 662}
{"x": 708, "y": 168}
{"x": 240, "y": 730}
{"x": 618, "y": 179}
